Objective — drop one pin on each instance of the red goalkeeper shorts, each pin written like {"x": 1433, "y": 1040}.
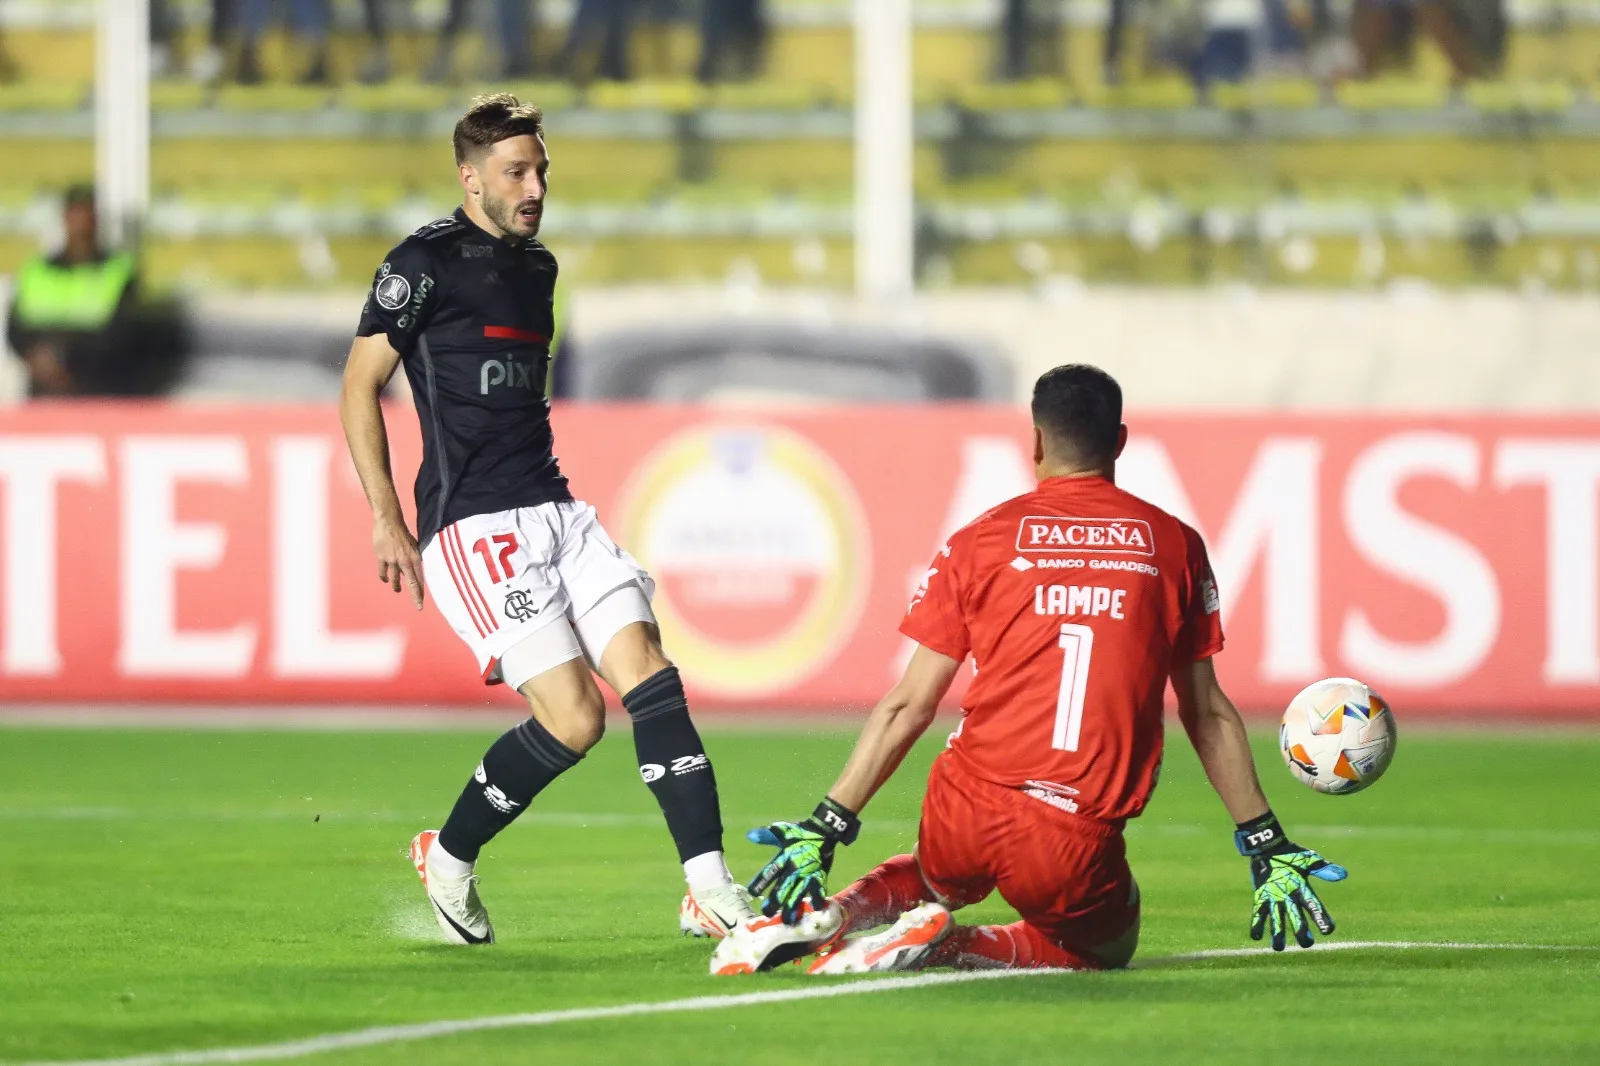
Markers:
{"x": 1065, "y": 874}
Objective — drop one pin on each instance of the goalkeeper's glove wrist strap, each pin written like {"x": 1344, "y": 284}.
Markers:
{"x": 840, "y": 821}
{"x": 1259, "y": 836}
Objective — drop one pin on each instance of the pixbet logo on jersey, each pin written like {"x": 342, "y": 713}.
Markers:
{"x": 1108, "y": 536}
{"x": 509, "y": 372}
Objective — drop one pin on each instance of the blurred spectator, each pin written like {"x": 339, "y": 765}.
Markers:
{"x": 375, "y": 18}
{"x": 733, "y": 39}
{"x": 1239, "y": 35}
{"x": 308, "y": 20}
{"x": 609, "y": 21}
{"x": 513, "y": 27}
{"x": 206, "y": 66}
{"x": 166, "y": 38}
{"x": 1030, "y": 38}
{"x": 1385, "y": 30}
{"x": 1116, "y": 35}
{"x": 1223, "y": 40}
{"x": 70, "y": 307}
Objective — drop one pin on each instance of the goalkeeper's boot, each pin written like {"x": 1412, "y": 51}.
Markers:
{"x": 713, "y": 911}
{"x": 453, "y": 891}
{"x": 761, "y": 943}
{"x": 905, "y": 946}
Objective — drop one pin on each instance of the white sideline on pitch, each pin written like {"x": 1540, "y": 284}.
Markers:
{"x": 622, "y": 820}
{"x": 395, "y": 1034}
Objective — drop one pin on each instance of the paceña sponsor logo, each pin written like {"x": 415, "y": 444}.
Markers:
{"x": 1053, "y": 534}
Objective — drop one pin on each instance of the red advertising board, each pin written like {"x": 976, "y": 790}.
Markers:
{"x": 221, "y": 554}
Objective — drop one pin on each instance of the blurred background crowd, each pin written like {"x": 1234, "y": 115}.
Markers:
{"x": 324, "y": 42}
{"x": 704, "y": 158}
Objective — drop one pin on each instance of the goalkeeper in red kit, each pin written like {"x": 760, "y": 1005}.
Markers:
{"x": 1078, "y": 602}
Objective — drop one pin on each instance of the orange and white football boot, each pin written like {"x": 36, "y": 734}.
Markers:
{"x": 762, "y": 943}
{"x": 452, "y": 890}
{"x": 713, "y": 911}
{"x": 904, "y": 946}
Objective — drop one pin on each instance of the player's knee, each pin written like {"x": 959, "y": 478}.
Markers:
{"x": 574, "y": 714}
{"x": 578, "y": 727}
{"x": 633, "y": 655}
{"x": 1118, "y": 953}
{"x": 588, "y": 719}
{"x": 586, "y": 733}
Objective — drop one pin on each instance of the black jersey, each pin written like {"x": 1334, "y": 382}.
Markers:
{"x": 471, "y": 318}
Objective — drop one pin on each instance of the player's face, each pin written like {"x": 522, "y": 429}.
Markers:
{"x": 512, "y": 184}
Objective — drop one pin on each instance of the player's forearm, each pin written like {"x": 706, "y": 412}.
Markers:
{"x": 1221, "y": 741}
{"x": 895, "y": 725}
{"x": 361, "y": 414}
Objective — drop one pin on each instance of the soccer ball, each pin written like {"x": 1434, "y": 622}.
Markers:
{"x": 1338, "y": 736}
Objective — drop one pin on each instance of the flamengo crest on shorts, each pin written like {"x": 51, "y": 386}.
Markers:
{"x": 500, "y": 577}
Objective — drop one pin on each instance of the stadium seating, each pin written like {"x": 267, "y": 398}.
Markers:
{"x": 1273, "y": 181}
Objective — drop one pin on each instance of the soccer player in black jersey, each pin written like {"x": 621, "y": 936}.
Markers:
{"x": 523, "y": 572}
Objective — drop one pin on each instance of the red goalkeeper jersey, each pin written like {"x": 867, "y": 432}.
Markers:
{"x": 1075, "y": 601}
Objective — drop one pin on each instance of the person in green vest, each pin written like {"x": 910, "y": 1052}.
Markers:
{"x": 71, "y": 308}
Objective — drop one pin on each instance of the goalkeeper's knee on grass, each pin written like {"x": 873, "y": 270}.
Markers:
{"x": 883, "y": 894}
{"x": 1018, "y": 946}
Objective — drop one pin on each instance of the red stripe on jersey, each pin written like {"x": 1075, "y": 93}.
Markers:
{"x": 447, "y": 548}
{"x": 490, "y": 623}
{"x": 511, "y": 333}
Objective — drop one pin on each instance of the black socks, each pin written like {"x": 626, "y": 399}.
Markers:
{"x": 515, "y": 769}
{"x": 673, "y": 763}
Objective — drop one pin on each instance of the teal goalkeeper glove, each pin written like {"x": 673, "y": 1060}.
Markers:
{"x": 798, "y": 874}
{"x": 1278, "y": 870}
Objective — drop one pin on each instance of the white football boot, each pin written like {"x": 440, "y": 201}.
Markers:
{"x": 905, "y": 946}
{"x": 456, "y": 906}
{"x": 713, "y": 911}
{"x": 761, "y": 944}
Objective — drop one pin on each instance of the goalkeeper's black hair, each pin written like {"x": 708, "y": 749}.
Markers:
{"x": 1079, "y": 408}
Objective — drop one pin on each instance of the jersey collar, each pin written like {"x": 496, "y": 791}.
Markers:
{"x": 1069, "y": 480}
{"x": 521, "y": 245}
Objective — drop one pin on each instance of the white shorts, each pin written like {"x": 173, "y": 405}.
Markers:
{"x": 535, "y": 575}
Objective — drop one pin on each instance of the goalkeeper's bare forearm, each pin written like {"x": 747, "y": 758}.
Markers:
{"x": 1219, "y": 738}
{"x": 795, "y": 879}
{"x": 896, "y": 723}
{"x": 1283, "y": 901}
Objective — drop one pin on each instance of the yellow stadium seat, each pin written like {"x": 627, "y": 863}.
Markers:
{"x": 766, "y": 96}
{"x": 1520, "y": 96}
{"x": 1276, "y": 93}
{"x": 274, "y": 97}
{"x": 1161, "y": 93}
{"x": 44, "y": 96}
{"x": 1383, "y": 93}
{"x": 1039, "y": 93}
{"x": 398, "y": 95}
{"x": 178, "y": 95}
{"x": 647, "y": 95}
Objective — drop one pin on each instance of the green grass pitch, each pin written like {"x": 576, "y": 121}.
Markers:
{"x": 168, "y": 890}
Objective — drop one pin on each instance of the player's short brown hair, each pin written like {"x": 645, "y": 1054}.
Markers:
{"x": 1079, "y": 407}
{"x": 491, "y": 119}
